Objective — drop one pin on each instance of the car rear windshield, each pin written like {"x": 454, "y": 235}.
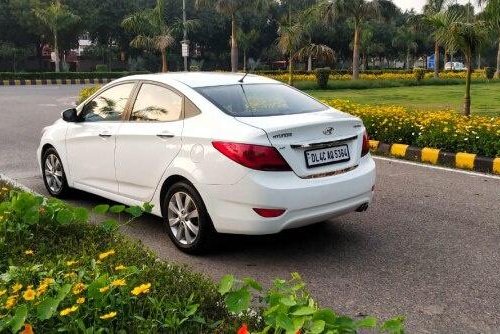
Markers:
{"x": 252, "y": 100}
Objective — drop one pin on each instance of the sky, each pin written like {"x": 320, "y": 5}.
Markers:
{"x": 418, "y": 4}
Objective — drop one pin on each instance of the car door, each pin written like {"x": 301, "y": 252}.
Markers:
{"x": 91, "y": 142}
{"x": 149, "y": 141}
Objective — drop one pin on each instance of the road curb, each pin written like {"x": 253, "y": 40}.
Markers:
{"x": 435, "y": 156}
{"x": 36, "y": 82}
{"x": 16, "y": 184}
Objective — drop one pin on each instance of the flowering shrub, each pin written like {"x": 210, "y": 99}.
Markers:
{"x": 444, "y": 129}
{"x": 86, "y": 92}
{"x": 477, "y": 74}
{"x": 59, "y": 273}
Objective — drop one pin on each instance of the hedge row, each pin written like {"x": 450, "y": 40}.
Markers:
{"x": 64, "y": 75}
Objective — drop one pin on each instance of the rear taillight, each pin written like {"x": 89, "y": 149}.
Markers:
{"x": 269, "y": 213}
{"x": 258, "y": 157}
{"x": 366, "y": 144}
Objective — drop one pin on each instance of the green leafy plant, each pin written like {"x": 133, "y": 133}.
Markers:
{"x": 287, "y": 307}
{"x": 322, "y": 77}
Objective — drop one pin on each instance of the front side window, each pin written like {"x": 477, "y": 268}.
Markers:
{"x": 156, "y": 103}
{"x": 260, "y": 100}
{"x": 107, "y": 106}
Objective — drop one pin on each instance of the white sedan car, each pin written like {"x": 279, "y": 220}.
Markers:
{"x": 212, "y": 152}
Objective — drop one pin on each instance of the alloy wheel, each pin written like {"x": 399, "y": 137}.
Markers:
{"x": 183, "y": 218}
{"x": 54, "y": 173}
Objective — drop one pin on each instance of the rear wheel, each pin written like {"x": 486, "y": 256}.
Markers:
{"x": 187, "y": 220}
{"x": 54, "y": 177}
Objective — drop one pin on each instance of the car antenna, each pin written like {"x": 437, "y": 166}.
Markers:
{"x": 241, "y": 80}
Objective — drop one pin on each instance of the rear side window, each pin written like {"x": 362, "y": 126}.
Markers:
{"x": 107, "y": 106}
{"x": 156, "y": 103}
{"x": 260, "y": 100}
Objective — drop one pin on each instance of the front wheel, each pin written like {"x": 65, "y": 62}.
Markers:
{"x": 54, "y": 177}
{"x": 188, "y": 223}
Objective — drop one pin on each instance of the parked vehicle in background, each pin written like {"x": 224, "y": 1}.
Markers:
{"x": 455, "y": 66}
{"x": 212, "y": 152}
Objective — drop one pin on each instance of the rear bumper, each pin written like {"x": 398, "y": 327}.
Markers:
{"x": 306, "y": 201}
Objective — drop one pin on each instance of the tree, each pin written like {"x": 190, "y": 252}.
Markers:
{"x": 152, "y": 31}
{"x": 290, "y": 38}
{"x": 406, "y": 37}
{"x": 231, "y": 8}
{"x": 357, "y": 11}
{"x": 56, "y": 17}
{"x": 458, "y": 33}
{"x": 431, "y": 9}
{"x": 492, "y": 17}
{"x": 247, "y": 39}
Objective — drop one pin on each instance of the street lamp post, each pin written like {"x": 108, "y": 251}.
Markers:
{"x": 184, "y": 42}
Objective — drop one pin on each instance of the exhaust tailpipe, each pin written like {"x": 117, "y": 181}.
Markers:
{"x": 362, "y": 207}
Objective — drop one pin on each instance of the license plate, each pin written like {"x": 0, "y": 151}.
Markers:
{"x": 327, "y": 156}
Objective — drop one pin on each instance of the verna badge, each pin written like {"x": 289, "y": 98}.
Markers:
{"x": 328, "y": 131}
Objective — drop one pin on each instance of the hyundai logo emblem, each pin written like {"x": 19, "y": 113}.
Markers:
{"x": 328, "y": 131}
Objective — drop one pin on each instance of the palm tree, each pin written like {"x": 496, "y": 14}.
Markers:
{"x": 290, "y": 38}
{"x": 459, "y": 33}
{"x": 358, "y": 11}
{"x": 492, "y": 16}
{"x": 247, "y": 39}
{"x": 231, "y": 8}
{"x": 152, "y": 31}
{"x": 56, "y": 17}
{"x": 431, "y": 9}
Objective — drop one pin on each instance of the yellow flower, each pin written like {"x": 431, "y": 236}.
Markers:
{"x": 107, "y": 316}
{"x": 29, "y": 294}
{"x": 68, "y": 310}
{"x": 80, "y": 300}
{"x": 16, "y": 287}
{"x": 120, "y": 267}
{"x": 29, "y": 252}
{"x": 143, "y": 288}
{"x": 104, "y": 289}
{"x": 119, "y": 282}
{"x": 70, "y": 263}
{"x": 3, "y": 292}
{"x": 104, "y": 255}
{"x": 11, "y": 302}
{"x": 78, "y": 288}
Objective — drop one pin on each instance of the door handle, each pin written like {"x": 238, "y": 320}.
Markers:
{"x": 165, "y": 135}
{"x": 105, "y": 134}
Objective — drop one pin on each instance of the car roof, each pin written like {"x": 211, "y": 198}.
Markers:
{"x": 202, "y": 79}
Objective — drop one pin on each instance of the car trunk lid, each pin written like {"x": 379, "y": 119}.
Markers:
{"x": 310, "y": 142}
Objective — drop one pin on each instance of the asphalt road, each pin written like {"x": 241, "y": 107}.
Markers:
{"x": 428, "y": 247}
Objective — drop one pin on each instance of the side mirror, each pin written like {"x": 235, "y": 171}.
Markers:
{"x": 70, "y": 115}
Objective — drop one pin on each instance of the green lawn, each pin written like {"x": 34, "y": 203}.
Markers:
{"x": 485, "y": 97}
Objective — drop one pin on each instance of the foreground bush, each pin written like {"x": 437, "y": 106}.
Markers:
{"x": 61, "y": 274}
{"x": 446, "y": 130}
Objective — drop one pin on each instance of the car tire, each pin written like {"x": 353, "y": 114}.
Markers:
{"x": 188, "y": 223}
{"x": 53, "y": 174}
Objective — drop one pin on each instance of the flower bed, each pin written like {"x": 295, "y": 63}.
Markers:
{"x": 446, "y": 129}
{"x": 61, "y": 274}
{"x": 477, "y": 74}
